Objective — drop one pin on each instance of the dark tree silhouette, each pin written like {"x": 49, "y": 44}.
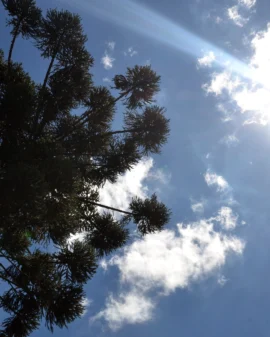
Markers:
{"x": 53, "y": 164}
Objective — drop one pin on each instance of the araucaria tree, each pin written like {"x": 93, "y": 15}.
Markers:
{"x": 53, "y": 163}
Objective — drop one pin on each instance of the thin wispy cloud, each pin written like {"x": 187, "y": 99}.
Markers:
{"x": 106, "y": 79}
{"x": 130, "y": 52}
{"x": 230, "y": 140}
{"x": 240, "y": 13}
{"x": 236, "y": 17}
{"x": 111, "y": 45}
{"x": 86, "y": 303}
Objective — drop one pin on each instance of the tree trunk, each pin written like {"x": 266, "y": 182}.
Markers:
{"x": 15, "y": 35}
{"x": 48, "y": 72}
{"x": 86, "y": 114}
{"x": 107, "y": 207}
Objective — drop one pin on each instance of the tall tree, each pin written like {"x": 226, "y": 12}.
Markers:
{"x": 24, "y": 18}
{"x": 53, "y": 164}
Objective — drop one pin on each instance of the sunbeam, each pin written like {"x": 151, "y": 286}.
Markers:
{"x": 146, "y": 22}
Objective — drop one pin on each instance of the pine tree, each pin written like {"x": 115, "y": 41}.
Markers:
{"x": 54, "y": 162}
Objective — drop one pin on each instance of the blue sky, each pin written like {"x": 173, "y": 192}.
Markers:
{"x": 208, "y": 274}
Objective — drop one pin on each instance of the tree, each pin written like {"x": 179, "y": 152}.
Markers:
{"x": 53, "y": 164}
{"x": 24, "y": 19}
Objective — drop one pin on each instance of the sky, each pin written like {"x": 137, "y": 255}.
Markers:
{"x": 208, "y": 272}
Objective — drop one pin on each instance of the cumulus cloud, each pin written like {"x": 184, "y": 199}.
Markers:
{"x": 236, "y": 17}
{"x": 127, "y": 308}
{"x": 107, "y": 61}
{"x": 249, "y": 97}
{"x": 207, "y": 60}
{"x": 163, "y": 262}
{"x": 133, "y": 183}
{"x": 130, "y": 52}
{"x": 222, "y": 82}
{"x": 119, "y": 194}
{"x": 212, "y": 179}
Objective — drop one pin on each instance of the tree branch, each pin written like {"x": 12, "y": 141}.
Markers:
{"x": 16, "y": 32}
{"x": 107, "y": 207}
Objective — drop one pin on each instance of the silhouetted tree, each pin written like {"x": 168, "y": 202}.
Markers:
{"x": 53, "y": 164}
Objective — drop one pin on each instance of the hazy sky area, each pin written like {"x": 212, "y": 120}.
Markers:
{"x": 208, "y": 273}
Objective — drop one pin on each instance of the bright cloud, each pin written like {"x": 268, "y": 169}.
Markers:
{"x": 86, "y": 303}
{"x": 107, "y": 61}
{"x": 247, "y": 3}
{"x": 133, "y": 183}
{"x": 222, "y": 82}
{"x": 207, "y": 60}
{"x": 164, "y": 262}
{"x": 227, "y": 219}
{"x": 127, "y": 308}
{"x": 212, "y": 179}
{"x": 250, "y": 97}
{"x": 236, "y": 17}
{"x": 119, "y": 194}
{"x": 130, "y": 52}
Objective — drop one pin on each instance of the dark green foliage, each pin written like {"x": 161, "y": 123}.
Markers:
{"x": 24, "y": 18}
{"x": 142, "y": 82}
{"x": 53, "y": 164}
{"x": 149, "y": 129}
{"x": 149, "y": 214}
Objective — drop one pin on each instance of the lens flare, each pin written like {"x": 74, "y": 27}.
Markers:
{"x": 148, "y": 23}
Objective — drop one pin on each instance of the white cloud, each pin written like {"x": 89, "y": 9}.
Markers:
{"x": 207, "y": 60}
{"x": 227, "y": 219}
{"x": 197, "y": 207}
{"x": 107, "y": 61}
{"x": 212, "y": 179}
{"x": 111, "y": 45}
{"x": 236, "y": 17}
{"x": 130, "y": 52}
{"x": 221, "y": 82}
{"x": 86, "y": 303}
{"x": 222, "y": 280}
{"x": 106, "y": 79}
{"x": 247, "y": 3}
{"x": 249, "y": 97}
{"x": 128, "y": 308}
{"x": 230, "y": 140}
{"x": 119, "y": 194}
{"x": 163, "y": 262}
{"x": 133, "y": 183}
